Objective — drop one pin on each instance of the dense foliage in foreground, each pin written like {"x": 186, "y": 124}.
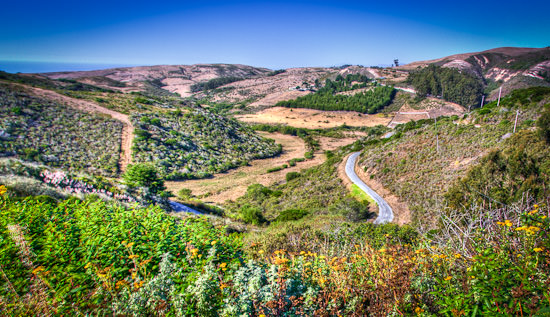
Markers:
{"x": 77, "y": 257}
{"x": 41, "y": 130}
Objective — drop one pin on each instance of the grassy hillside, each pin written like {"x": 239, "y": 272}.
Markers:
{"x": 195, "y": 143}
{"x": 185, "y": 143}
{"x": 412, "y": 167}
{"x": 45, "y": 131}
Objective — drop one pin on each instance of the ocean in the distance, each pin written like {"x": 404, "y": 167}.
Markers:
{"x": 47, "y": 67}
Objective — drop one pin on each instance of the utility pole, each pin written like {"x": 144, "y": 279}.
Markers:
{"x": 483, "y": 99}
{"x": 516, "y": 123}
{"x": 499, "y": 93}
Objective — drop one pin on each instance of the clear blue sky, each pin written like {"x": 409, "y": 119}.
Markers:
{"x": 274, "y": 34}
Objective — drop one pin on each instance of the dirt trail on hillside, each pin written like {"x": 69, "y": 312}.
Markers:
{"x": 87, "y": 106}
{"x": 233, "y": 184}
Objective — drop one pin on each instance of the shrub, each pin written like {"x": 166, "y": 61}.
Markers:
{"x": 543, "y": 124}
{"x": 291, "y": 214}
{"x": 252, "y": 215}
{"x": 184, "y": 193}
{"x": 292, "y": 175}
{"x": 144, "y": 175}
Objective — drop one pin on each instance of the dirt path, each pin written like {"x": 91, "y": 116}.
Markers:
{"x": 233, "y": 184}
{"x": 87, "y": 106}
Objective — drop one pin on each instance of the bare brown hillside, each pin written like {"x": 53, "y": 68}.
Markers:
{"x": 173, "y": 78}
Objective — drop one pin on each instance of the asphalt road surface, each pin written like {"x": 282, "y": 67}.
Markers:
{"x": 385, "y": 213}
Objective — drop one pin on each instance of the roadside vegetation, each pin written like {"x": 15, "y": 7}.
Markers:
{"x": 422, "y": 160}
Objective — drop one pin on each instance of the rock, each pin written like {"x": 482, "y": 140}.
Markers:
{"x": 506, "y": 136}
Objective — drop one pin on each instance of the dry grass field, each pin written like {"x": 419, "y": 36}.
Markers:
{"x": 314, "y": 119}
{"x": 233, "y": 184}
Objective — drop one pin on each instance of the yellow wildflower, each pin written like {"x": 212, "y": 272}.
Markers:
{"x": 133, "y": 256}
{"x": 223, "y": 265}
{"x": 261, "y": 315}
{"x": 307, "y": 264}
{"x": 302, "y": 252}
{"x": 130, "y": 244}
{"x": 536, "y": 206}
{"x": 457, "y": 255}
{"x": 280, "y": 261}
{"x": 261, "y": 252}
{"x": 3, "y": 190}
{"x": 213, "y": 242}
{"x": 534, "y": 211}
{"x": 37, "y": 270}
{"x": 87, "y": 265}
{"x": 322, "y": 257}
{"x": 448, "y": 278}
{"x": 418, "y": 310}
{"x": 538, "y": 249}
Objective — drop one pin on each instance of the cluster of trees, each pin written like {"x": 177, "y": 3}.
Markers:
{"x": 276, "y": 72}
{"x": 214, "y": 83}
{"x": 366, "y": 102}
{"x": 448, "y": 83}
{"x": 340, "y": 83}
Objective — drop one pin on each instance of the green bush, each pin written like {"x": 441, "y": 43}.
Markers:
{"x": 292, "y": 175}
{"x": 291, "y": 214}
{"x": 252, "y": 215}
{"x": 144, "y": 175}
{"x": 184, "y": 193}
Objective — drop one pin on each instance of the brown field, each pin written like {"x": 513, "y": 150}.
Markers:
{"x": 233, "y": 184}
{"x": 313, "y": 119}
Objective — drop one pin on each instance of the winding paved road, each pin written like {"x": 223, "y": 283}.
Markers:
{"x": 385, "y": 213}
